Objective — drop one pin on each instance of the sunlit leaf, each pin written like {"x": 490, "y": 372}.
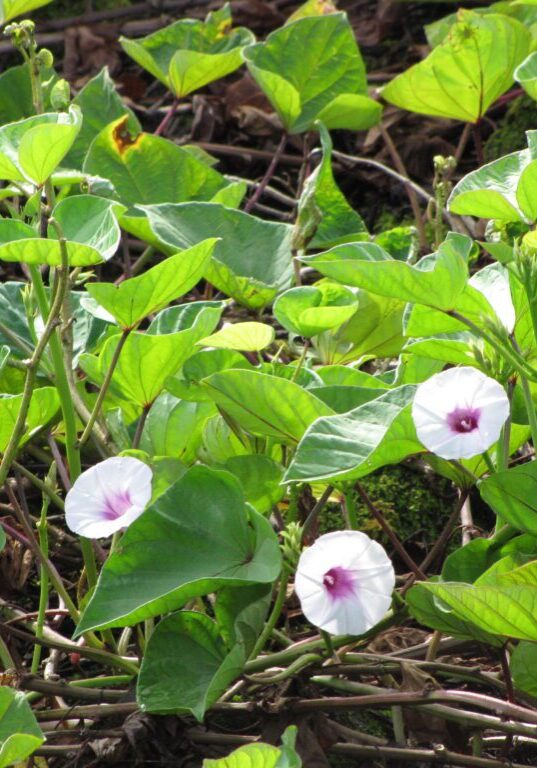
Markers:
{"x": 188, "y": 54}
{"x": 20, "y": 734}
{"x": 466, "y": 72}
{"x": 136, "y": 298}
{"x": 312, "y": 69}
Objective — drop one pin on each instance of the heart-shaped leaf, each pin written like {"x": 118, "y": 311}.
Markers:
{"x": 467, "y": 72}
{"x": 265, "y": 405}
{"x": 43, "y": 407}
{"x": 312, "y": 69}
{"x": 246, "y": 337}
{"x": 503, "y": 189}
{"x": 310, "y": 310}
{"x": 252, "y": 261}
{"x": 136, "y": 298}
{"x": 187, "y": 55}
{"x": 20, "y": 735}
{"x": 91, "y": 221}
{"x": 324, "y": 217}
{"x": 435, "y": 281}
{"x": 351, "y": 445}
{"x": 101, "y": 105}
{"x": 194, "y": 539}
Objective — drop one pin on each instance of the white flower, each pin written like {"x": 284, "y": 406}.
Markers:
{"x": 344, "y": 582}
{"x": 493, "y": 283}
{"x": 459, "y": 413}
{"x": 108, "y": 497}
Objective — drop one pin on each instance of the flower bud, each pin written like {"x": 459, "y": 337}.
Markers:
{"x": 45, "y": 58}
{"x": 60, "y": 96}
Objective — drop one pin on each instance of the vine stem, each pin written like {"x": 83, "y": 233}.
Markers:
{"x": 66, "y": 401}
{"x": 52, "y": 573}
{"x": 31, "y": 373}
{"x": 166, "y": 120}
{"x": 398, "y": 162}
{"x": 315, "y": 512}
{"x": 53, "y": 336}
{"x": 301, "y": 360}
{"x": 140, "y": 426}
{"x": 268, "y": 175}
{"x": 104, "y": 388}
{"x": 42, "y": 531}
{"x": 275, "y": 614}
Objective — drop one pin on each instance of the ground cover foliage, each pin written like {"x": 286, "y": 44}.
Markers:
{"x": 267, "y": 467}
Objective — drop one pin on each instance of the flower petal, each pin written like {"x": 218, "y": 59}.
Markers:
{"x": 364, "y": 562}
{"x": 108, "y": 497}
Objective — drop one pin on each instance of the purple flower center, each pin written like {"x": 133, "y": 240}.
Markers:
{"x": 463, "y": 420}
{"x": 339, "y": 583}
{"x": 116, "y": 505}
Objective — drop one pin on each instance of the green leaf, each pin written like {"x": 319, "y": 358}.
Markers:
{"x": 455, "y": 348}
{"x": 20, "y": 735}
{"x": 261, "y": 755}
{"x": 100, "y": 104}
{"x": 469, "y": 562}
{"x": 374, "y": 330}
{"x": 260, "y": 478}
{"x": 91, "y": 221}
{"x": 312, "y": 69}
{"x": 352, "y": 445}
{"x": 186, "y": 666}
{"x": 196, "y": 538}
{"x": 43, "y": 407}
{"x": 9, "y": 9}
{"x": 43, "y": 147}
{"x": 241, "y": 613}
{"x": 174, "y": 427}
{"x": 342, "y": 399}
{"x": 246, "y": 337}
{"x": 136, "y": 298}
{"x": 31, "y": 149}
{"x": 249, "y": 756}
{"x": 508, "y": 610}
{"x": 252, "y": 261}
{"x": 427, "y": 608}
{"x": 523, "y": 667}
{"x": 503, "y": 189}
{"x": 145, "y": 362}
{"x": 199, "y": 366}
{"x": 265, "y": 405}
{"x": 187, "y": 55}
{"x": 200, "y": 317}
{"x": 435, "y": 281}
{"x": 467, "y": 72}
{"x": 138, "y": 165}
{"x": 310, "y": 310}
{"x": 324, "y": 216}
{"x": 41, "y": 251}
{"x": 511, "y": 493}
{"x": 16, "y": 92}
{"x": 526, "y": 75}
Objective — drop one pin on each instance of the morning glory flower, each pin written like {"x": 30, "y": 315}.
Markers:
{"x": 344, "y": 582}
{"x": 108, "y": 497}
{"x": 459, "y": 413}
{"x": 497, "y": 291}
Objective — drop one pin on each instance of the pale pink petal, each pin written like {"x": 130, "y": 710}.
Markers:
{"x": 344, "y": 582}
{"x": 459, "y": 413}
{"x": 108, "y": 497}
